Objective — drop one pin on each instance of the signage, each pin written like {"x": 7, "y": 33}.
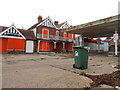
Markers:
{"x": 115, "y": 36}
{"x": 76, "y": 53}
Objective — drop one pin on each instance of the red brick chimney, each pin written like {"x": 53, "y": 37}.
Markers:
{"x": 39, "y": 18}
{"x": 56, "y": 23}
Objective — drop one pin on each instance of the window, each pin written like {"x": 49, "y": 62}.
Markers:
{"x": 45, "y": 33}
{"x": 65, "y": 36}
{"x": 70, "y": 35}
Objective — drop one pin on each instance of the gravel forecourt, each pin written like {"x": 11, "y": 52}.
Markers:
{"x": 50, "y": 70}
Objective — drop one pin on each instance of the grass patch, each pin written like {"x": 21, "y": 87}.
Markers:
{"x": 82, "y": 73}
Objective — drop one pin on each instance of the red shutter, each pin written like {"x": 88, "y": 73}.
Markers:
{"x": 45, "y": 33}
{"x": 16, "y": 44}
{"x": 3, "y": 45}
{"x": 70, "y": 46}
{"x": 70, "y": 35}
{"x": 45, "y": 46}
{"x": 65, "y": 36}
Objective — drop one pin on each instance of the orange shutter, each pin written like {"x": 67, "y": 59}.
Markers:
{"x": 70, "y": 46}
{"x": 65, "y": 36}
{"x": 45, "y": 33}
{"x": 16, "y": 44}
{"x": 74, "y": 36}
{"x": 70, "y": 35}
{"x": 45, "y": 46}
{"x": 3, "y": 45}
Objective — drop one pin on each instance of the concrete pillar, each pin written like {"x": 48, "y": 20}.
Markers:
{"x": 54, "y": 45}
{"x": 38, "y": 46}
{"x": 80, "y": 40}
{"x": 99, "y": 40}
{"x": 77, "y": 41}
{"x": 63, "y": 45}
{"x": 64, "y": 49}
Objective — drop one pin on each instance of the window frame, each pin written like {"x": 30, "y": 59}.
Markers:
{"x": 46, "y": 34}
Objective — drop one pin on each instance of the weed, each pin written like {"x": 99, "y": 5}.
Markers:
{"x": 82, "y": 73}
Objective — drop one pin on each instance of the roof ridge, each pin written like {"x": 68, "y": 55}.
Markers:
{"x": 37, "y": 23}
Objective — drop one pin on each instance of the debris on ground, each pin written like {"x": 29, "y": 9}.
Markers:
{"x": 112, "y": 79}
{"x": 117, "y": 66}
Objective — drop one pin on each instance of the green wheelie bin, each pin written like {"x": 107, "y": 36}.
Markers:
{"x": 80, "y": 57}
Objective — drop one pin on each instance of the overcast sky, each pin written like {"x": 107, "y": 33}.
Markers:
{"x": 24, "y": 13}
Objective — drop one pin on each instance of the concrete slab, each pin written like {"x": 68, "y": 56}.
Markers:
{"x": 51, "y": 71}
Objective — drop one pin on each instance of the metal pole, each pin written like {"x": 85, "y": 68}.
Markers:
{"x": 116, "y": 48}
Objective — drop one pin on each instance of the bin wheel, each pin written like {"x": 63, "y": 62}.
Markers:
{"x": 82, "y": 68}
{"x": 73, "y": 65}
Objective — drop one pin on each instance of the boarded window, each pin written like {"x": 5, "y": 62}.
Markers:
{"x": 45, "y": 33}
{"x": 70, "y": 46}
{"x": 70, "y": 35}
{"x": 45, "y": 46}
{"x": 16, "y": 44}
{"x": 65, "y": 36}
{"x": 3, "y": 45}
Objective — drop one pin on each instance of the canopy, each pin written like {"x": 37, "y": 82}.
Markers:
{"x": 100, "y": 28}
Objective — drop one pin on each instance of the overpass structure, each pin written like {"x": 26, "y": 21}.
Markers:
{"x": 106, "y": 27}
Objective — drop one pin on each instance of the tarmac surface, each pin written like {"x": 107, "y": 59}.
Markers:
{"x": 51, "y": 70}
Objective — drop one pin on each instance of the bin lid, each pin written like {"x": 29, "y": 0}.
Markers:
{"x": 78, "y": 46}
{"x": 81, "y": 47}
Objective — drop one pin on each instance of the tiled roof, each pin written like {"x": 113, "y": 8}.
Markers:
{"x": 59, "y": 25}
{"x": 36, "y": 24}
{"x": 26, "y": 33}
{"x": 2, "y": 28}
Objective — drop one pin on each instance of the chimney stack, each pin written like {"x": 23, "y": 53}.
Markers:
{"x": 39, "y": 18}
{"x": 56, "y": 23}
{"x": 1, "y": 27}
